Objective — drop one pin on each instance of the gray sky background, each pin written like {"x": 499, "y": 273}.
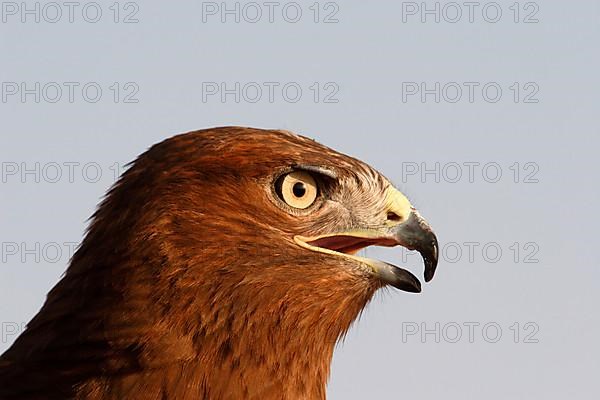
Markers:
{"x": 541, "y": 135}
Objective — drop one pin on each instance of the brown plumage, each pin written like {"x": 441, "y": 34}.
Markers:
{"x": 203, "y": 276}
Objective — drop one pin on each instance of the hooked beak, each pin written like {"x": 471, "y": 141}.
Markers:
{"x": 416, "y": 234}
{"x": 404, "y": 226}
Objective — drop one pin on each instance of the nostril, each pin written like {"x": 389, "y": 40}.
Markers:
{"x": 392, "y": 216}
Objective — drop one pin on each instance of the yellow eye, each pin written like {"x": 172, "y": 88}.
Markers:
{"x": 298, "y": 189}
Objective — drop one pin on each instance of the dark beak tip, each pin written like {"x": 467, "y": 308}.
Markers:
{"x": 428, "y": 277}
{"x": 430, "y": 257}
{"x": 410, "y": 287}
{"x": 430, "y": 267}
{"x": 404, "y": 280}
{"x": 417, "y": 289}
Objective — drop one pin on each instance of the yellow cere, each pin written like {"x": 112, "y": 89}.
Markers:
{"x": 397, "y": 203}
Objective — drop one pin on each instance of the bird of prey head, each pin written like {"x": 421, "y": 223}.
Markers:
{"x": 222, "y": 265}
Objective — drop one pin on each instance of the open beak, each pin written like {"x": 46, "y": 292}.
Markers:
{"x": 416, "y": 234}
{"x": 408, "y": 229}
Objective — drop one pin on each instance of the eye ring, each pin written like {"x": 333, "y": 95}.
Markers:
{"x": 298, "y": 189}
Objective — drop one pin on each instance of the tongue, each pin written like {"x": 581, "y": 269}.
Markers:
{"x": 348, "y": 244}
{"x": 388, "y": 273}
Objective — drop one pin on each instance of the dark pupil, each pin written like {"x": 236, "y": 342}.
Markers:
{"x": 299, "y": 189}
